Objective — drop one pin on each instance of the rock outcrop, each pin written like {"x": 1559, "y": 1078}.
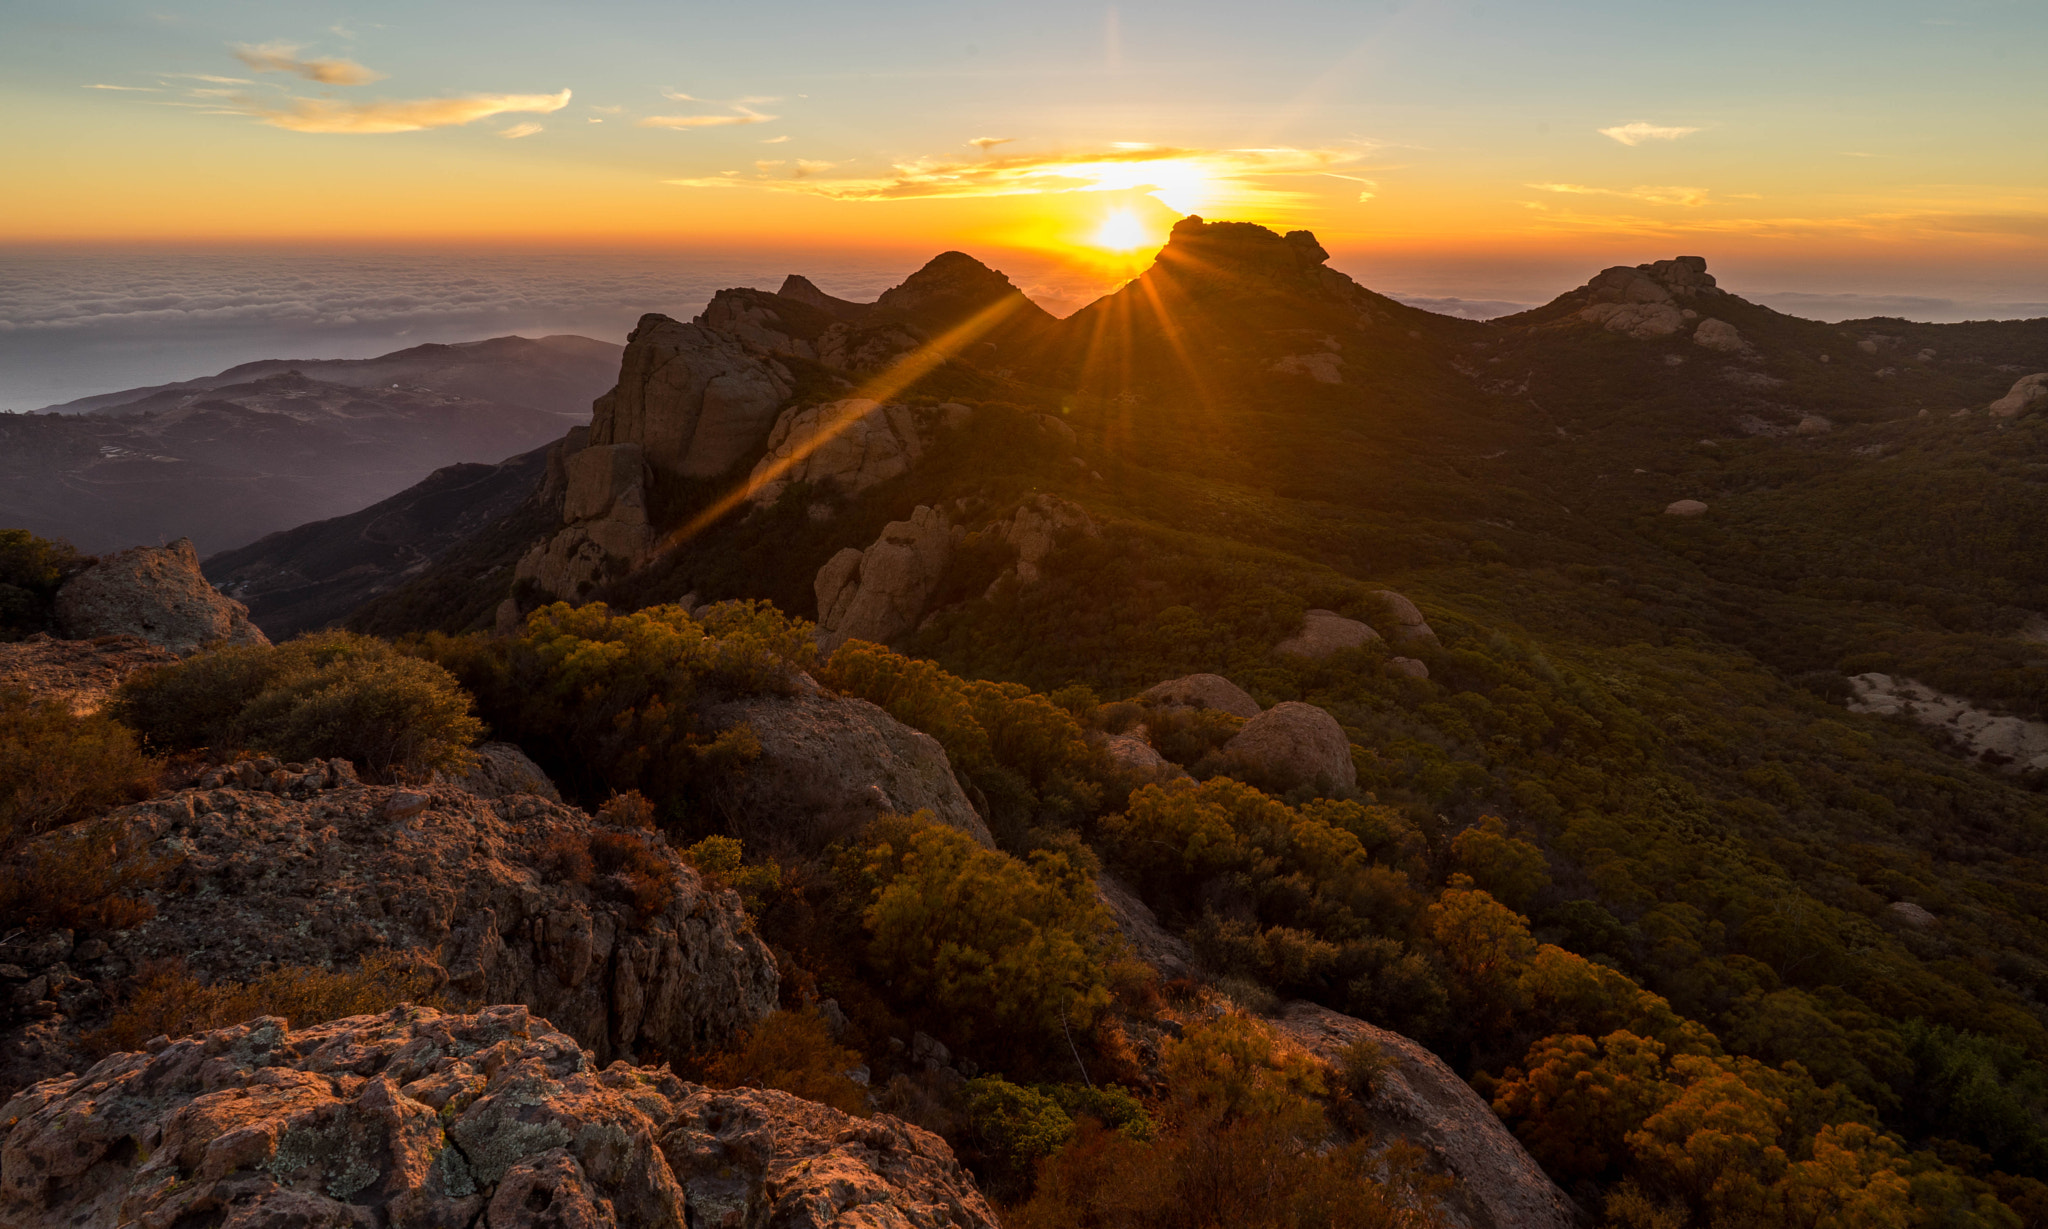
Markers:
{"x": 694, "y": 399}
{"x": 848, "y": 445}
{"x": 1407, "y": 668}
{"x": 1202, "y": 691}
{"x": 880, "y": 593}
{"x": 1685, "y": 507}
{"x": 1496, "y": 1183}
{"x": 1324, "y": 632}
{"x": 1149, "y": 941}
{"x": 830, "y": 763}
{"x": 79, "y": 673}
{"x": 417, "y": 1119}
{"x": 2011, "y": 743}
{"x": 301, "y": 865}
{"x": 1718, "y": 335}
{"x": 500, "y": 771}
{"x": 155, "y": 593}
{"x": 606, "y": 531}
{"x": 1644, "y": 302}
{"x": 1039, "y": 524}
{"x": 1409, "y": 628}
{"x": 1293, "y": 744}
{"x": 2027, "y": 393}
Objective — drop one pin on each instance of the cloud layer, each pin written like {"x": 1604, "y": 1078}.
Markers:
{"x": 334, "y": 116}
{"x": 1639, "y": 132}
{"x": 284, "y": 58}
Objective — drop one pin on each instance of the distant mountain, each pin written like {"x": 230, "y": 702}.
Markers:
{"x": 266, "y": 446}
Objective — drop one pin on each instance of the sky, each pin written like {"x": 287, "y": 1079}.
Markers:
{"x": 1835, "y": 152}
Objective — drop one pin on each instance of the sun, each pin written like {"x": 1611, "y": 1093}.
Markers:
{"x": 1122, "y": 231}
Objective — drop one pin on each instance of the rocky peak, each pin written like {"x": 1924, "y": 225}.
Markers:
{"x": 801, "y": 289}
{"x": 950, "y": 288}
{"x": 1681, "y": 277}
{"x": 1243, "y": 249}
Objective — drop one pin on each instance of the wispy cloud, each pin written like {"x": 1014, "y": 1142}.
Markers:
{"x": 742, "y": 116}
{"x": 1648, "y": 195}
{"x": 1186, "y": 180}
{"x": 519, "y": 130}
{"x": 284, "y": 58}
{"x": 135, "y": 89}
{"x": 776, "y": 140}
{"x": 210, "y": 77}
{"x": 984, "y": 144}
{"x": 1639, "y": 132}
{"x": 767, "y": 165}
{"x": 612, "y": 109}
{"x": 331, "y": 116}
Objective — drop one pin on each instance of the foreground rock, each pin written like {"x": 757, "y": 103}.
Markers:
{"x": 77, "y": 673}
{"x": 2027, "y": 393}
{"x": 1294, "y": 744}
{"x": 419, "y": 1120}
{"x": 880, "y": 593}
{"x": 1324, "y": 632}
{"x": 155, "y": 593}
{"x": 1420, "y": 1100}
{"x": 830, "y": 763}
{"x": 280, "y": 867}
{"x": 1202, "y": 691}
{"x": 500, "y": 771}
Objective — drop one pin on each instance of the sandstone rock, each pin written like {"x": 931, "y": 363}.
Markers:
{"x": 1813, "y": 424}
{"x": 1407, "y": 668}
{"x": 695, "y": 400}
{"x": 418, "y": 1119}
{"x": 1685, "y": 507}
{"x": 850, "y": 445}
{"x": 1149, "y": 941}
{"x": 1037, "y": 526}
{"x": 313, "y": 869}
{"x": 502, "y": 770}
{"x": 1324, "y": 632}
{"x": 1202, "y": 691}
{"x": 829, "y": 763}
{"x": 1641, "y": 321}
{"x": 155, "y": 593}
{"x": 578, "y": 558}
{"x": 2013, "y": 744}
{"x": 1642, "y": 302}
{"x": 1410, "y": 628}
{"x": 1912, "y": 915}
{"x": 1718, "y": 335}
{"x": 881, "y": 595}
{"x": 2027, "y": 393}
{"x": 1133, "y": 754}
{"x": 1497, "y": 1184}
{"x": 80, "y": 673}
{"x": 1294, "y": 744}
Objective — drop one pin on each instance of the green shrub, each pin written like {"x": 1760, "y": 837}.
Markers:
{"x": 31, "y": 570}
{"x": 57, "y": 768}
{"x": 169, "y": 1001}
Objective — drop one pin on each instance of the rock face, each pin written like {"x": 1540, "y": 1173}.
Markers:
{"x": 1498, "y": 1185}
{"x": 1150, "y": 942}
{"x": 849, "y": 445}
{"x": 878, "y": 594}
{"x": 694, "y": 399}
{"x": 1685, "y": 507}
{"x": 2027, "y": 393}
{"x": 1202, "y": 691}
{"x": 1295, "y": 744}
{"x": 155, "y": 593}
{"x": 1039, "y": 523}
{"x": 1324, "y": 632}
{"x": 420, "y": 1120}
{"x": 830, "y": 763}
{"x": 80, "y": 673}
{"x": 273, "y": 866}
{"x": 502, "y": 770}
{"x": 1410, "y": 628}
{"x": 1718, "y": 335}
{"x": 2011, "y": 743}
{"x": 1643, "y": 302}
{"x": 604, "y": 512}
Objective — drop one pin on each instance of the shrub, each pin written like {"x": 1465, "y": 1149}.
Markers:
{"x": 31, "y": 570}
{"x": 167, "y": 1000}
{"x": 56, "y": 767}
{"x": 81, "y": 877}
{"x": 793, "y": 1051}
{"x": 629, "y": 869}
{"x": 719, "y": 860}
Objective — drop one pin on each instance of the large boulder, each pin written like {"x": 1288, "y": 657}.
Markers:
{"x": 1202, "y": 691}
{"x": 1295, "y": 744}
{"x": 880, "y": 593}
{"x": 1496, "y": 1184}
{"x": 830, "y": 763}
{"x": 2027, "y": 393}
{"x": 1324, "y": 632}
{"x": 1718, "y": 335}
{"x": 694, "y": 399}
{"x": 1685, "y": 507}
{"x": 1644, "y": 301}
{"x": 848, "y": 445}
{"x": 501, "y": 770}
{"x": 301, "y": 865}
{"x": 155, "y": 593}
{"x": 78, "y": 673}
{"x": 1409, "y": 627}
{"x": 417, "y": 1119}
{"x": 1040, "y": 523}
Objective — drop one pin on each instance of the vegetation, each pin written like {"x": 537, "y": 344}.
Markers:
{"x": 168, "y": 1001}
{"x": 31, "y": 571}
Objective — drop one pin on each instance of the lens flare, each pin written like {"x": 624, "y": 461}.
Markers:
{"x": 1122, "y": 231}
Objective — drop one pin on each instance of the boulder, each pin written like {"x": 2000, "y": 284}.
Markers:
{"x": 1685, "y": 507}
{"x": 418, "y": 1119}
{"x": 1410, "y": 628}
{"x": 1407, "y": 668}
{"x": 1202, "y": 691}
{"x": 1295, "y": 744}
{"x": 1133, "y": 754}
{"x": 849, "y": 445}
{"x": 155, "y": 593}
{"x": 830, "y": 763}
{"x": 301, "y": 865}
{"x": 1718, "y": 335}
{"x": 696, "y": 400}
{"x": 79, "y": 673}
{"x": 502, "y": 770}
{"x": 1495, "y": 1184}
{"x": 2027, "y": 393}
{"x": 1912, "y": 915}
{"x": 1149, "y": 941}
{"x": 880, "y": 593}
{"x": 1324, "y": 632}
{"x": 1643, "y": 301}
{"x": 1640, "y": 321}
{"x": 1038, "y": 525}
{"x": 1813, "y": 424}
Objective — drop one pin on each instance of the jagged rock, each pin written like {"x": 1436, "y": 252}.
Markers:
{"x": 1685, "y": 507}
{"x": 1149, "y": 941}
{"x": 1321, "y": 366}
{"x": 1037, "y": 526}
{"x": 802, "y": 290}
{"x": 604, "y": 512}
{"x": 606, "y": 482}
{"x": 1496, "y": 1183}
{"x": 1324, "y": 632}
{"x": 1912, "y": 915}
{"x": 1295, "y": 744}
{"x": 695, "y": 400}
{"x": 830, "y": 763}
{"x": 1813, "y": 424}
{"x": 155, "y": 593}
{"x": 273, "y": 866}
{"x": 2013, "y": 744}
{"x": 1407, "y": 668}
{"x": 80, "y": 673}
{"x": 417, "y": 1119}
{"x": 1642, "y": 301}
{"x": 1202, "y": 691}
{"x": 850, "y": 445}
{"x": 1718, "y": 335}
{"x": 502, "y": 770}
{"x": 879, "y": 593}
{"x": 1641, "y": 321}
{"x": 1410, "y": 628}
{"x": 2027, "y": 393}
